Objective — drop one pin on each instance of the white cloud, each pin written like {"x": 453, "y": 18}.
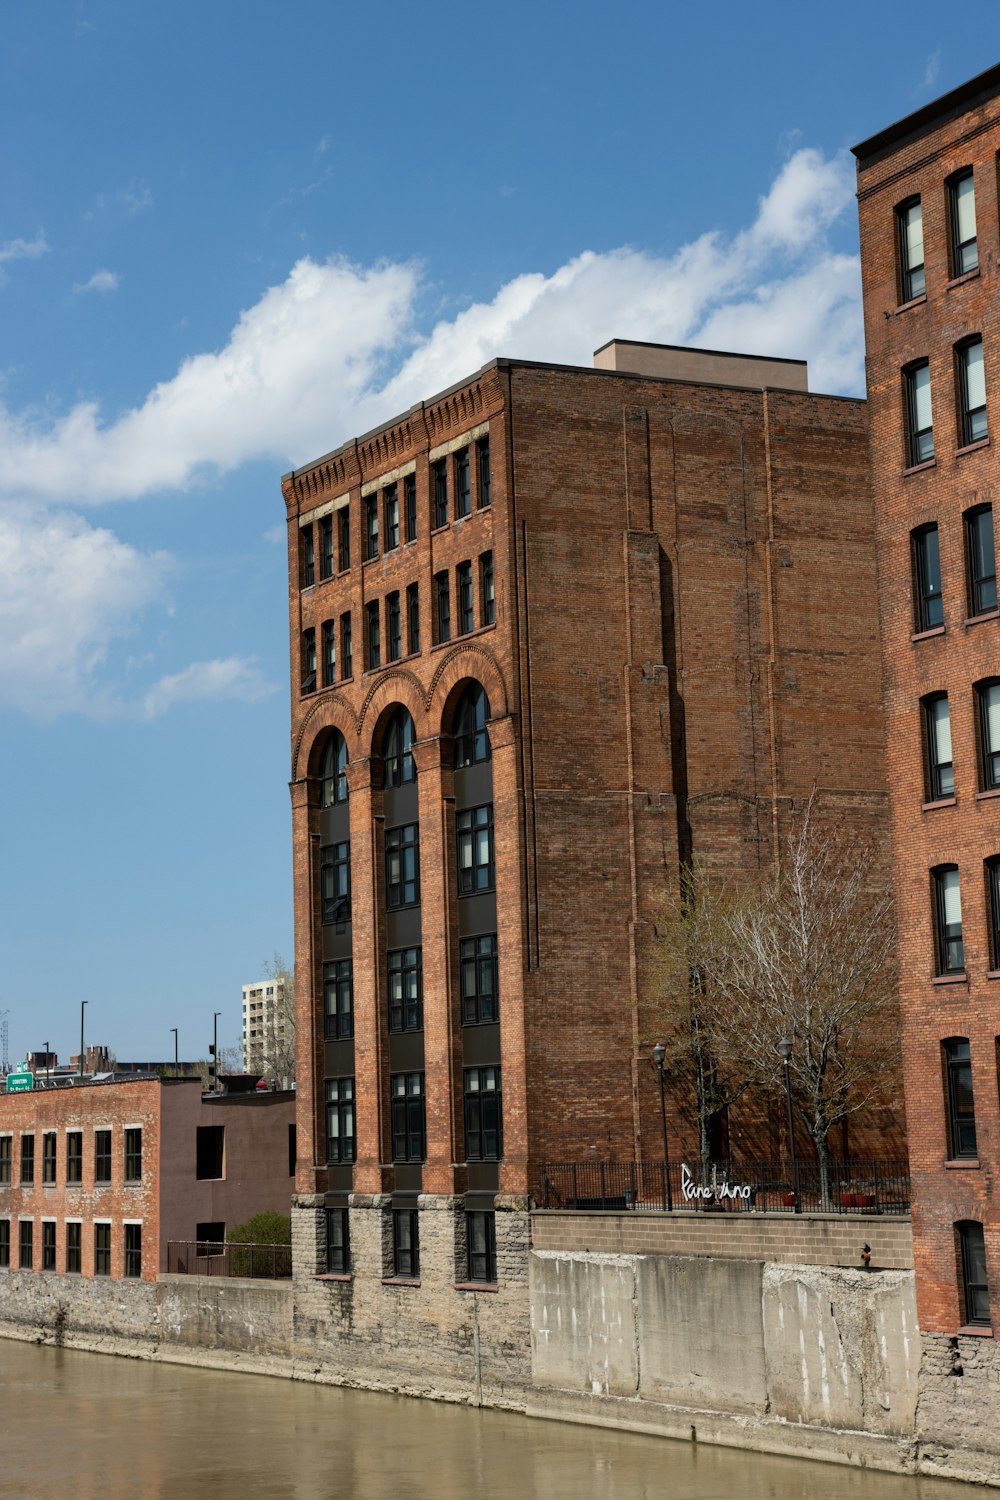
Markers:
{"x": 137, "y": 197}
{"x": 21, "y": 250}
{"x": 101, "y": 281}
{"x": 932, "y": 69}
{"x": 231, "y": 677}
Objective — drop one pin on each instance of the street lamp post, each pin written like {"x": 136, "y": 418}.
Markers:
{"x": 659, "y": 1053}
{"x": 785, "y": 1053}
{"x": 83, "y": 1006}
{"x": 176, "y": 1053}
{"x": 215, "y": 1046}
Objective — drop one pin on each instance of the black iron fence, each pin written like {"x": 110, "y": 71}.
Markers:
{"x": 205, "y": 1258}
{"x": 847, "y": 1187}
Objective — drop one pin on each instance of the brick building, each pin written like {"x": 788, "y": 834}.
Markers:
{"x": 930, "y": 244}
{"x": 551, "y": 631}
{"x": 97, "y": 1178}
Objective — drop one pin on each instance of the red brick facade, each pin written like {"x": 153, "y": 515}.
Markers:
{"x": 952, "y": 647}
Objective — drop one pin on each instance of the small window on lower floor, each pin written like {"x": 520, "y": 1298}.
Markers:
{"x": 338, "y": 1241}
{"x": 74, "y": 1244}
{"x": 48, "y": 1244}
{"x": 975, "y": 1282}
{"x": 4, "y": 1243}
{"x": 405, "y": 1243}
{"x": 102, "y": 1249}
{"x": 133, "y": 1251}
{"x": 481, "y": 1235}
{"x": 26, "y": 1246}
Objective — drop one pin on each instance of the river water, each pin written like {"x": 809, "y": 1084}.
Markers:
{"x": 94, "y": 1427}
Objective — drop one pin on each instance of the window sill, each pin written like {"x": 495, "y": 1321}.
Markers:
{"x": 905, "y": 306}
{"x": 988, "y": 614}
{"x": 962, "y": 1164}
{"x": 962, "y": 978}
{"x": 928, "y": 463}
{"x": 400, "y": 1280}
{"x": 923, "y": 635}
{"x": 972, "y": 447}
{"x": 335, "y": 1276}
{"x": 477, "y": 1286}
{"x": 941, "y": 802}
{"x": 975, "y": 1331}
{"x": 961, "y": 280}
{"x": 987, "y": 796}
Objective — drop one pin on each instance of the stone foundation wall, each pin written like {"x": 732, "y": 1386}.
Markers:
{"x": 958, "y": 1407}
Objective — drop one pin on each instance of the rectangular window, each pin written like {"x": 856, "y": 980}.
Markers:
{"x": 961, "y": 1111}
{"x": 476, "y": 862}
{"x": 48, "y": 1245}
{"x": 102, "y": 1249}
{"x": 487, "y": 605}
{"x": 440, "y": 472}
{"x": 988, "y": 695}
{"x": 405, "y": 1243}
{"x": 371, "y": 525}
{"x": 480, "y": 1232}
{"x": 308, "y": 558}
{"x": 993, "y": 900}
{"x": 133, "y": 1251}
{"x": 390, "y": 502}
{"x": 326, "y": 547}
{"x": 309, "y": 660}
{"x": 409, "y": 1130}
{"x": 393, "y": 626}
{"x": 6, "y": 1145}
{"x": 442, "y": 594}
{"x": 74, "y": 1244}
{"x": 133, "y": 1155}
{"x": 485, "y": 485}
{"x": 344, "y": 538}
{"x": 74, "y": 1156}
{"x": 410, "y": 506}
{"x": 909, "y": 217}
{"x": 972, "y": 392}
{"x": 341, "y": 1143}
{"x": 463, "y": 484}
{"x": 335, "y": 881}
{"x": 26, "y": 1246}
{"x": 920, "y": 427}
{"x": 373, "y": 642}
{"x": 927, "y": 578}
{"x": 27, "y": 1160}
{"x": 948, "y": 907}
{"x": 346, "y": 657}
{"x": 981, "y": 560}
{"x": 402, "y": 866}
{"x": 483, "y": 1115}
{"x": 338, "y": 1241}
{"x": 5, "y": 1244}
{"x": 962, "y": 212}
{"x": 466, "y": 616}
{"x": 210, "y": 1150}
{"x": 975, "y": 1283}
{"x": 338, "y": 998}
{"x": 937, "y": 731}
{"x": 102, "y": 1156}
{"x": 413, "y": 618}
{"x": 406, "y": 998}
{"x": 49, "y": 1147}
{"x": 480, "y": 979}
{"x": 329, "y": 653}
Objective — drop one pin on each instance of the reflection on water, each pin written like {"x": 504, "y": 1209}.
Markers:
{"x": 92, "y": 1427}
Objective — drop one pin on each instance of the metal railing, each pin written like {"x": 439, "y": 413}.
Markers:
{"x": 850, "y": 1187}
{"x": 205, "y": 1258}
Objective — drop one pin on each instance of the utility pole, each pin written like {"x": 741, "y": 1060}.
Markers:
{"x": 83, "y": 1006}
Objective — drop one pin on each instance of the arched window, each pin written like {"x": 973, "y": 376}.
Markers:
{"x": 472, "y": 743}
{"x": 333, "y": 771}
{"x": 398, "y": 749}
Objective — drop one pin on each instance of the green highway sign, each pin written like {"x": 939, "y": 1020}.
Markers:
{"x": 20, "y": 1083}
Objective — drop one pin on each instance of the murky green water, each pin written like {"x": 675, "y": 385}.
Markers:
{"x": 92, "y": 1427}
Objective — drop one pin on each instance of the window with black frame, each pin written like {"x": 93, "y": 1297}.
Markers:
{"x": 910, "y": 227}
{"x": 410, "y": 506}
{"x": 439, "y": 474}
{"x": 466, "y": 612}
{"x": 371, "y": 526}
{"x": 6, "y": 1154}
{"x": 973, "y": 425}
{"x": 393, "y": 627}
{"x": 374, "y": 638}
{"x": 346, "y": 657}
{"x": 958, "y": 1094}
{"x": 133, "y": 1251}
{"x": 50, "y": 1144}
{"x": 406, "y": 995}
{"x": 919, "y": 419}
{"x": 133, "y": 1154}
{"x": 991, "y": 869}
{"x": 480, "y": 979}
{"x": 48, "y": 1244}
{"x": 413, "y": 618}
{"x": 308, "y": 558}
{"x": 326, "y": 547}
{"x": 397, "y": 754}
{"x": 344, "y": 539}
{"x": 405, "y": 1243}
{"x": 485, "y": 480}
{"x": 338, "y": 998}
{"x": 102, "y": 1249}
{"x": 929, "y": 612}
{"x": 333, "y": 771}
{"x": 476, "y": 858}
{"x": 463, "y": 484}
{"x": 335, "y": 881}
{"x": 4, "y": 1244}
{"x": 442, "y": 594}
{"x": 980, "y": 554}
{"x": 409, "y": 1122}
{"x": 309, "y": 660}
{"x": 937, "y": 735}
{"x": 486, "y": 592}
{"x": 483, "y": 1115}
{"x": 74, "y": 1248}
{"x": 948, "y": 913}
{"x": 390, "y": 509}
{"x": 472, "y": 713}
{"x": 329, "y": 652}
{"x": 975, "y": 1281}
{"x": 27, "y": 1160}
{"x": 481, "y": 1241}
{"x": 338, "y": 1241}
{"x": 341, "y": 1141}
{"x": 962, "y": 215}
{"x": 26, "y": 1245}
{"x": 102, "y": 1156}
{"x": 402, "y": 866}
{"x": 74, "y": 1157}
{"x": 988, "y": 700}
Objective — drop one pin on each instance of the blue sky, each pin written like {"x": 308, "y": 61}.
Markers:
{"x": 231, "y": 236}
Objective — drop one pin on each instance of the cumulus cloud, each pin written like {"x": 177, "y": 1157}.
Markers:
{"x": 21, "y": 250}
{"x": 230, "y": 677}
{"x": 101, "y": 281}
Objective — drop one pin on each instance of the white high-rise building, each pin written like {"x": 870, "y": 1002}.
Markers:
{"x": 269, "y": 1029}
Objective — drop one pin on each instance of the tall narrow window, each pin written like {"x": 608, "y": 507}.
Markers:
{"x": 409, "y": 1129}
{"x": 333, "y": 771}
{"x": 74, "y": 1243}
{"x": 338, "y": 1241}
{"x": 133, "y": 1251}
{"x": 133, "y": 1154}
{"x": 443, "y": 596}
{"x": 483, "y": 1115}
{"x": 27, "y": 1160}
{"x": 102, "y": 1249}
{"x": 346, "y": 656}
{"x": 344, "y": 538}
{"x": 466, "y": 617}
{"x": 341, "y": 1142}
{"x": 397, "y": 754}
{"x": 74, "y": 1156}
{"x": 371, "y": 525}
{"x": 476, "y": 864}
{"x": 391, "y": 508}
{"x": 50, "y": 1142}
{"x": 981, "y": 559}
{"x": 463, "y": 484}
{"x": 909, "y": 218}
{"x": 26, "y": 1258}
{"x": 48, "y": 1244}
{"x": 326, "y": 547}
{"x": 402, "y": 866}
{"x": 406, "y": 1008}
{"x": 929, "y": 610}
{"x": 309, "y": 660}
{"x": 988, "y": 697}
{"x": 485, "y": 483}
{"x": 937, "y": 733}
{"x": 413, "y": 618}
{"x": 958, "y": 1092}
{"x": 6, "y": 1143}
{"x": 472, "y": 742}
{"x": 338, "y": 998}
{"x": 962, "y": 212}
{"x": 992, "y": 871}
{"x": 335, "y": 881}
{"x": 406, "y": 1243}
{"x": 373, "y": 636}
{"x": 102, "y": 1156}
{"x": 393, "y": 627}
{"x": 975, "y": 1282}
{"x": 971, "y": 391}
{"x": 440, "y": 475}
{"x": 5, "y": 1244}
{"x": 410, "y": 505}
{"x": 308, "y": 558}
{"x": 480, "y": 980}
{"x": 948, "y": 911}
{"x": 487, "y": 605}
{"x": 920, "y": 427}
{"x": 480, "y": 1229}
{"x": 329, "y": 652}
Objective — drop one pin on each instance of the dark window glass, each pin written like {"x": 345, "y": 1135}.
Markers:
{"x": 485, "y": 484}
{"x": 27, "y": 1159}
{"x": 948, "y": 909}
{"x": 341, "y": 1143}
{"x": 405, "y": 1242}
{"x": 463, "y": 483}
{"x": 102, "y": 1249}
{"x": 409, "y": 1132}
{"x": 6, "y": 1145}
{"x": 26, "y": 1247}
{"x": 133, "y": 1155}
{"x": 74, "y": 1246}
{"x": 937, "y": 733}
{"x": 338, "y": 998}
{"x": 329, "y": 652}
{"x": 48, "y": 1245}
{"x": 393, "y": 627}
{"x": 5, "y": 1243}
{"x": 961, "y": 1112}
{"x": 309, "y": 660}
{"x": 390, "y": 501}
{"x": 440, "y": 473}
{"x": 338, "y": 1241}
{"x": 988, "y": 697}
{"x": 480, "y": 979}
{"x": 410, "y": 505}
{"x": 962, "y": 212}
{"x": 413, "y": 618}
{"x": 911, "y": 249}
{"x": 472, "y": 743}
{"x": 398, "y": 753}
{"x": 480, "y": 1230}
{"x": 476, "y": 864}
{"x": 442, "y": 593}
{"x": 333, "y": 771}
{"x": 402, "y": 866}
{"x": 981, "y": 558}
{"x": 102, "y": 1156}
{"x": 326, "y": 547}
{"x": 972, "y": 392}
{"x": 483, "y": 1115}
{"x": 335, "y": 881}
{"x": 210, "y": 1153}
{"x": 993, "y": 897}
{"x": 466, "y": 616}
{"x": 406, "y": 997}
{"x": 49, "y": 1147}
{"x": 344, "y": 538}
{"x": 74, "y": 1156}
{"x": 488, "y": 605}
{"x": 927, "y": 578}
{"x": 975, "y": 1283}
{"x": 374, "y": 639}
{"x": 308, "y": 558}
{"x": 920, "y": 427}
{"x": 346, "y": 657}
{"x": 371, "y": 525}
{"x": 133, "y": 1251}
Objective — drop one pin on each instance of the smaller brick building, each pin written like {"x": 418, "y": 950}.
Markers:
{"x": 97, "y": 1178}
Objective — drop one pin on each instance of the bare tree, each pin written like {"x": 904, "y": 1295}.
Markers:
{"x": 277, "y": 1043}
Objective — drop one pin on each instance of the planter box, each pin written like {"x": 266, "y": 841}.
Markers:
{"x": 857, "y": 1200}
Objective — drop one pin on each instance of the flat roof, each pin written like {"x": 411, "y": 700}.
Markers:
{"x": 984, "y": 86}
{"x": 777, "y": 359}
